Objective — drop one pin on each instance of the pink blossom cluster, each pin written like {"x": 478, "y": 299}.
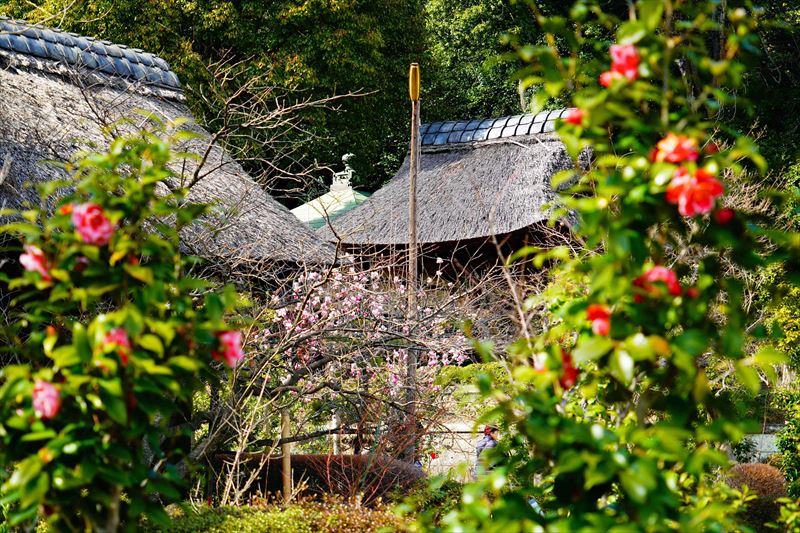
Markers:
{"x": 365, "y": 309}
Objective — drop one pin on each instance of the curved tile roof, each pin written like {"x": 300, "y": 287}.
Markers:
{"x": 451, "y": 132}
{"x": 74, "y": 50}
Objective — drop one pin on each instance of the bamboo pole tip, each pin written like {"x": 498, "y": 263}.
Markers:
{"x": 413, "y": 81}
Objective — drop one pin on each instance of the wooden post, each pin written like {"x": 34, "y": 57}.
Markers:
{"x": 286, "y": 457}
{"x": 412, "y": 283}
{"x": 337, "y": 437}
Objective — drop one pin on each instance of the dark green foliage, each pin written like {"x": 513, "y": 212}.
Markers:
{"x": 767, "y": 483}
{"x": 772, "y": 84}
{"x": 312, "y": 48}
{"x": 434, "y": 499}
{"x": 468, "y": 79}
{"x": 789, "y": 445}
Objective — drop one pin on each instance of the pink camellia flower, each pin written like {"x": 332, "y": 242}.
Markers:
{"x": 624, "y": 64}
{"x": 724, "y": 215}
{"x": 625, "y": 60}
{"x": 694, "y": 194}
{"x": 600, "y": 317}
{"x": 676, "y": 149}
{"x": 118, "y": 338}
{"x": 92, "y": 224}
{"x": 230, "y": 347}
{"x": 654, "y": 275}
{"x": 34, "y": 260}
{"x": 574, "y": 115}
{"x": 46, "y": 399}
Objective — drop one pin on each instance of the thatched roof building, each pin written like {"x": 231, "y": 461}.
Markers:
{"x": 478, "y": 179}
{"x": 59, "y": 90}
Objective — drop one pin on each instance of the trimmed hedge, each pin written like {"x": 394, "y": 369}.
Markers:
{"x": 768, "y": 484}
{"x": 332, "y": 516}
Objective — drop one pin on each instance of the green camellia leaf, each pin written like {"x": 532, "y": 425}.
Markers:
{"x": 590, "y": 348}
{"x": 622, "y": 366}
{"x": 142, "y": 273}
{"x": 631, "y": 32}
{"x": 639, "y": 347}
{"x": 26, "y": 470}
{"x": 185, "y": 363}
{"x": 39, "y": 435}
{"x": 748, "y": 376}
{"x": 693, "y": 342}
{"x": 114, "y": 407}
{"x": 152, "y": 343}
{"x": 650, "y": 12}
{"x": 65, "y": 356}
{"x": 35, "y": 490}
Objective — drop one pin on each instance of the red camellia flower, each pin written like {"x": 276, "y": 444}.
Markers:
{"x": 569, "y": 376}
{"x": 654, "y": 275}
{"x": 724, "y": 215}
{"x": 118, "y": 338}
{"x": 574, "y": 116}
{"x": 434, "y": 455}
{"x": 600, "y": 317}
{"x": 694, "y": 194}
{"x": 34, "y": 260}
{"x": 692, "y": 292}
{"x": 46, "y": 399}
{"x": 676, "y": 149}
{"x": 624, "y": 64}
{"x": 92, "y": 224}
{"x": 230, "y": 347}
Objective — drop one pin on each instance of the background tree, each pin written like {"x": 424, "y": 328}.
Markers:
{"x": 308, "y": 49}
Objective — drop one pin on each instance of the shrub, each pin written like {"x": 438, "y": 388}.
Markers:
{"x": 744, "y": 451}
{"x": 767, "y": 483}
{"x": 113, "y": 338}
{"x": 434, "y": 500}
{"x": 658, "y": 288}
{"x": 789, "y": 519}
{"x": 775, "y": 460}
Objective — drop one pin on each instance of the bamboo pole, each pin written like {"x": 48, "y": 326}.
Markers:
{"x": 286, "y": 457}
{"x": 413, "y": 250}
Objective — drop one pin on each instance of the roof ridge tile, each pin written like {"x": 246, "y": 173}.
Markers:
{"x": 474, "y": 130}
{"x": 55, "y": 44}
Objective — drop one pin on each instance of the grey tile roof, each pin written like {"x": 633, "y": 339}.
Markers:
{"x": 94, "y": 54}
{"x": 449, "y": 132}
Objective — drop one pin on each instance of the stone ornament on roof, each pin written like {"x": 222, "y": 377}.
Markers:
{"x": 342, "y": 180}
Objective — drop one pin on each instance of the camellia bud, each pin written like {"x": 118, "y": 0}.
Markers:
{"x": 724, "y": 215}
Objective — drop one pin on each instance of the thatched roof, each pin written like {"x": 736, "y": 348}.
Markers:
{"x": 58, "y": 91}
{"x": 477, "y": 179}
